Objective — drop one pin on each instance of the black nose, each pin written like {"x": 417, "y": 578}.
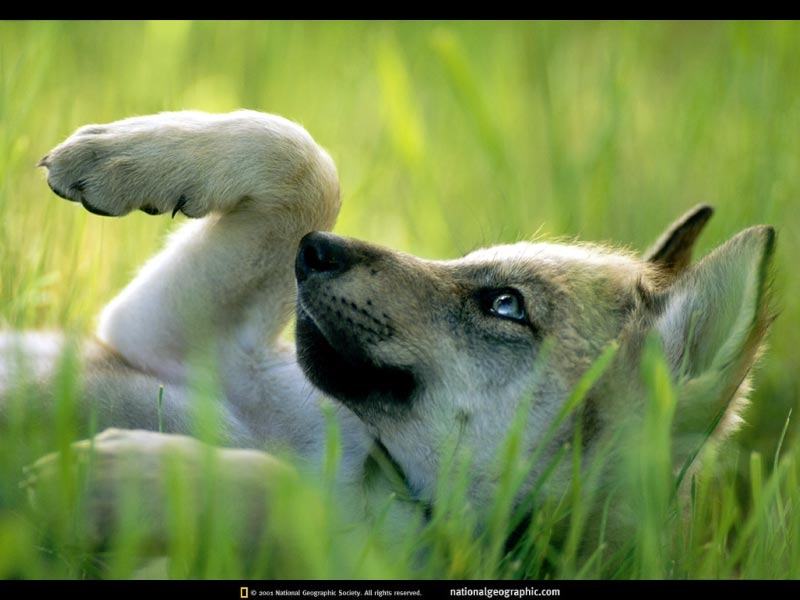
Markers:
{"x": 322, "y": 253}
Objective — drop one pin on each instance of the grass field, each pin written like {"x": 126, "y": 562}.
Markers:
{"x": 448, "y": 136}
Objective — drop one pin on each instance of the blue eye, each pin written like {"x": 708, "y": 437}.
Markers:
{"x": 508, "y": 305}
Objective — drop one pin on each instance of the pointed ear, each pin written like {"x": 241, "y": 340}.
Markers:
{"x": 712, "y": 322}
{"x": 716, "y": 311}
{"x": 673, "y": 250}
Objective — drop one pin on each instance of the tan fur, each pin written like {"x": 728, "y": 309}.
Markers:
{"x": 414, "y": 352}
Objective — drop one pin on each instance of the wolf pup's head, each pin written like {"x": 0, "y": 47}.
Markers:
{"x": 435, "y": 353}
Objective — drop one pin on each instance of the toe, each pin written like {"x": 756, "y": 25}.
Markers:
{"x": 58, "y": 192}
{"x": 94, "y": 210}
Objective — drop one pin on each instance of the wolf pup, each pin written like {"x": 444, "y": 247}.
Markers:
{"x": 415, "y": 353}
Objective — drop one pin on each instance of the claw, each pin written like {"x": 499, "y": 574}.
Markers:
{"x": 181, "y": 203}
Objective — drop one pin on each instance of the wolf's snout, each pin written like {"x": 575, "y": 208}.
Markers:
{"x": 322, "y": 253}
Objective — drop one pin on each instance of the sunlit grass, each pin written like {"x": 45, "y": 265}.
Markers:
{"x": 448, "y": 136}
{"x": 619, "y": 515}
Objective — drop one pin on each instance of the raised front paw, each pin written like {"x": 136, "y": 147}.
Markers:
{"x": 195, "y": 163}
{"x": 134, "y": 164}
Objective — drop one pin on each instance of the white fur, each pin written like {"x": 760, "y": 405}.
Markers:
{"x": 224, "y": 284}
{"x": 224, "y": 288}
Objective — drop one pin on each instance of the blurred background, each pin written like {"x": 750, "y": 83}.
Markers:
{"x": 448, "y": 136}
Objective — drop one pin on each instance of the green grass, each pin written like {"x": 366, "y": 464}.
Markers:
{"x": 448, "y": 136}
